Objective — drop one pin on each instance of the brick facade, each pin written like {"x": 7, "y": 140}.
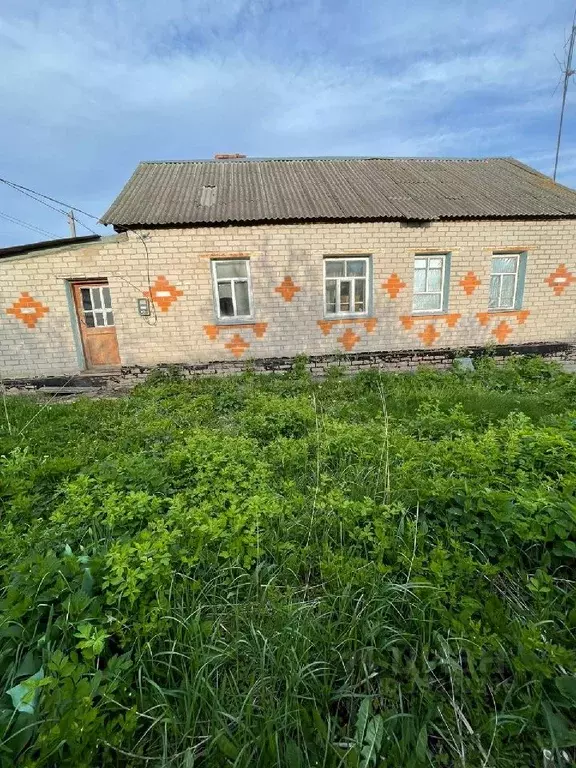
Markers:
{"x": 287, "y": 287}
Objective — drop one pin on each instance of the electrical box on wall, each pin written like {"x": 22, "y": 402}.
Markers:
{"x": 144, "y": 307}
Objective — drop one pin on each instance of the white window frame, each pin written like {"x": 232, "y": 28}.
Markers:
{"x": 443, "y": 300}
{"x": 367, "y": 279}
{"x": 103, "y": 311}
{"x": 216, "y": 281}
{"x": 510, "y": 255}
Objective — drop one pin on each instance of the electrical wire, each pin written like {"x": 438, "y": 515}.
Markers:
{"x": 43, "y": 407}
{"x": 154, "y": 319}
{"x": 27, "y": 225}
{"x": 21, "y": 187}
{"x": 82, "y": 224}
{"x": 33, "y": 195}
{"x": 58, "y": 210}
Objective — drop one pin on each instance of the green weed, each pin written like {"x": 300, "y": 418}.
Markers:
{"x": 365, "y": 571}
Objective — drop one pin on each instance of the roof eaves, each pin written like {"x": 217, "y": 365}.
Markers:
{"x": 44, "y": 245}
{"x": 51, "y": 246}
{"x": 235, "y": 222}
{"x": 343, "y": 220}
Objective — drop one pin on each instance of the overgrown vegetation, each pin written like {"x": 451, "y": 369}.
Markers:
{"x": 269, "y": 571}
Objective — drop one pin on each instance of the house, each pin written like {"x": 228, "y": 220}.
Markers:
{"x": 216, "y": 263}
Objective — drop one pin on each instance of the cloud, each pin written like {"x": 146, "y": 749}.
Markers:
{"x": 91, "y": 88}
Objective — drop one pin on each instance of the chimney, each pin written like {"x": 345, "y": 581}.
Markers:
{"x": 225, "y": 156}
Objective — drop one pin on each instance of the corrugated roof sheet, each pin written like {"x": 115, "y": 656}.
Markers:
{"x": 291, "y": 189}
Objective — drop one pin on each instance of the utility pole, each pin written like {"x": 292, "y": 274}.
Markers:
{"x": 567, "y": 71}
{"x": 72, "y": 224}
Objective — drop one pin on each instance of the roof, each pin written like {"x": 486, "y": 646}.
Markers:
{"x": 16, "y": 250}
{"x": 316, "y": 189}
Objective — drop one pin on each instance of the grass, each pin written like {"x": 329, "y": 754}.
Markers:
{"x": 365, "y": 571}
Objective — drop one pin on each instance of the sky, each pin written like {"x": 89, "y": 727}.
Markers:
{"x": 89, "y": 88}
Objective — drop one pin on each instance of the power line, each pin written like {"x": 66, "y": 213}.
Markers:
{"x": 33, "y": 195}
{"x": 47, "y": 197}
{"x": 82, "y": 224}
{"x": 27, "y": 225}
{"x": 14, "y": 186}
{"x": 567, "y": 72}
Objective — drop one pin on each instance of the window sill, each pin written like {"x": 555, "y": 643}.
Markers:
{"x": 229, "y": 321}
{"x": 429, "y": 313}
{"x": 348, "y": 316}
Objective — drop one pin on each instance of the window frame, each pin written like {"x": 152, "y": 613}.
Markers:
{"x": 366, "y": 258}
{"x": 444, "y": 291}
{"x": 102, "y": 311}
{"x": 235, "y": 318}
{"x": 519, "y": 278}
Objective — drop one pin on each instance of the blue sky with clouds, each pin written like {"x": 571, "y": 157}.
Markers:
{"x": 90, "y": 87}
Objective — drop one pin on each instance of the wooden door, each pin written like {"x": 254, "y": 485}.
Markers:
{"x": 96, "y": 321}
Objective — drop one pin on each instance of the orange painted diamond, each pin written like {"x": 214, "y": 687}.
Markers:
{"x": 429, "y": 335}
{"x": 287, "y": 289}
{"x": 163, "y": 293}
{"x": 28, "y": 310}
{"x": 502, "y": 331}
{"x": 407, "y": 321}
{"x": 560, "y": 279}
{"x": 393, "y": 285}
{"x": 349, "y": 339}
{"x": 469, "y": 282}
{"x": 237, "y": 345}
{"x": 522, "y": 315}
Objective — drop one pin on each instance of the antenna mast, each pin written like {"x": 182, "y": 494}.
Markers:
{"x": 567, "y": 71}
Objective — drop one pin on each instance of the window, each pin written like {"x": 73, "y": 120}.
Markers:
{"x": 431, "y": 279}
{"x": 97, "y": 306}
{"x": 507, "y": 280}
{"x": 346, "y": 286}
{"x": 232, "y": 288}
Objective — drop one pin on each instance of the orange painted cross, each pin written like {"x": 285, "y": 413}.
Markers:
{"x": 429, "y": 335}
{"x": 287, "y": 289}
{"x": 502, "y": 331}
{"x": 469, "y": 282}
{"x": 349, "y": 339}
{"x": 393, "y": 285}
{"x": 237, "y": 345}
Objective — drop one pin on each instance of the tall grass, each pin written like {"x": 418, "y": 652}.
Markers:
{"x": 271, "y": 571}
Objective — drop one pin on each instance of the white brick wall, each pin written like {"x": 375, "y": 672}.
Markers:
{"x": 183, "y": 257}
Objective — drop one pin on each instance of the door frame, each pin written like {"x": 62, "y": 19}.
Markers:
{"x": 77, "y": 329}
